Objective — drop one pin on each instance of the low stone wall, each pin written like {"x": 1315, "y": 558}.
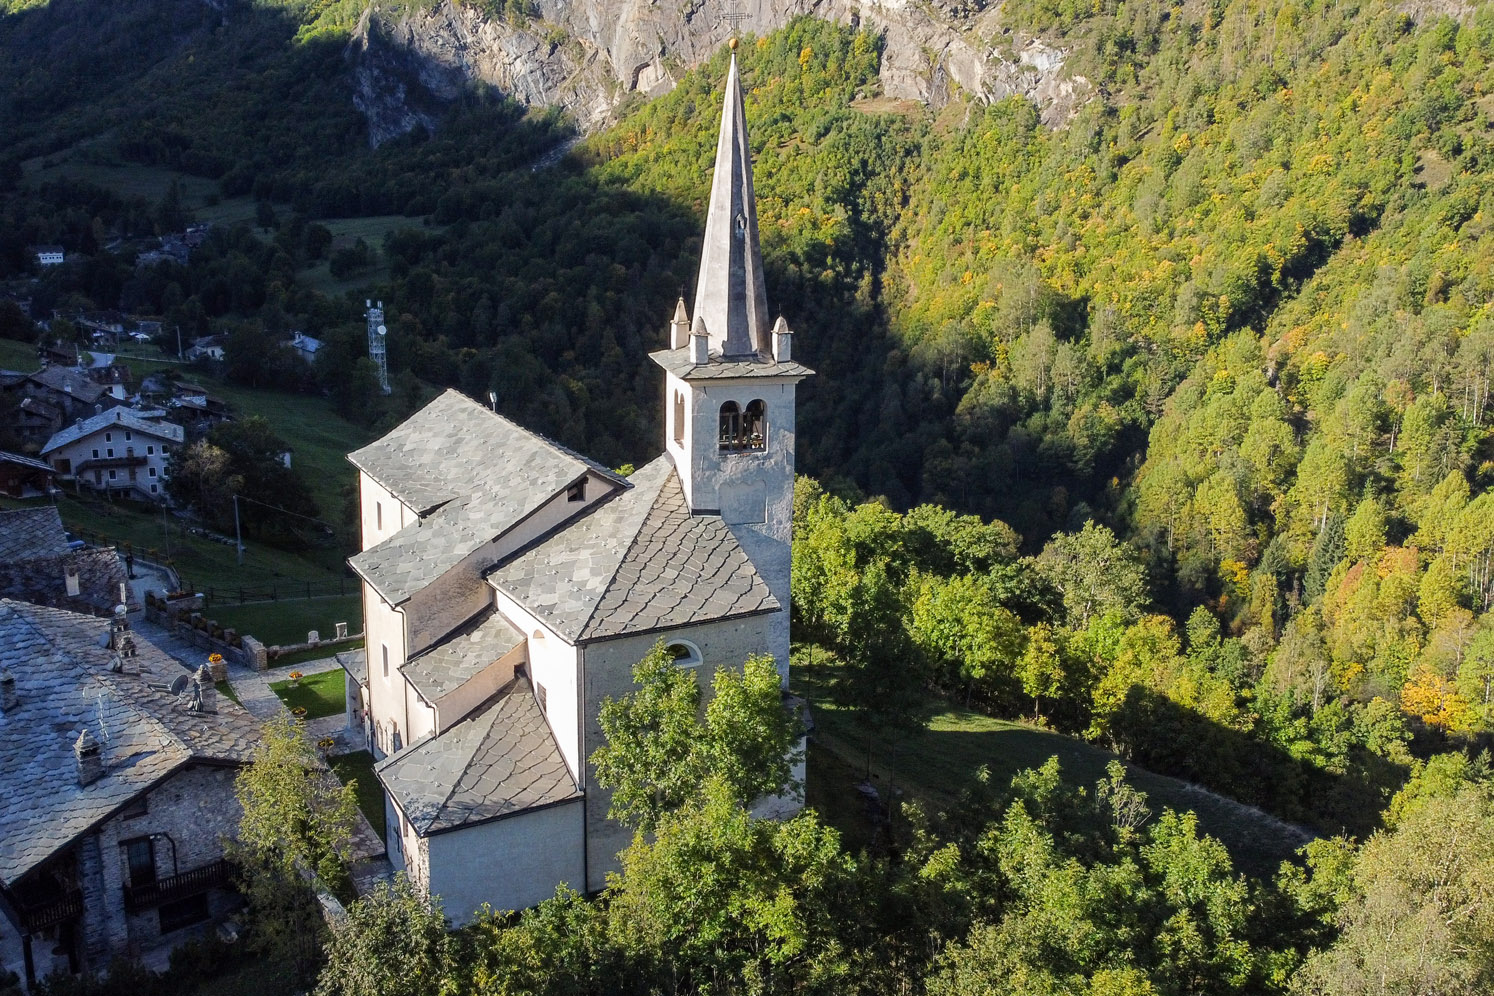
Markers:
{"x": 328, "y": 645}
{"x": 181, "y": 613}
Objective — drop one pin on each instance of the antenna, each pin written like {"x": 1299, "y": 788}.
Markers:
{"x": 377, "y": 334}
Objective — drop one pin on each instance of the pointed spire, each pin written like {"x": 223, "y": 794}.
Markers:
{"x": 729, "y": 290}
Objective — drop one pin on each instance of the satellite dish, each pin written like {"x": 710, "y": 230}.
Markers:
{"x": 382, "y": 330}
{"x": 179, "y": 684}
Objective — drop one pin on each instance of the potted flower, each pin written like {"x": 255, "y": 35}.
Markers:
{"x": 299, "y": 712}
{"x": 325, "y": 744}
{"x": 216, "y": 667}
{"x": 295, "y": 677}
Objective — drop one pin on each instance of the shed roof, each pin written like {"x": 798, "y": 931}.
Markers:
{"x": 461, "y": 655}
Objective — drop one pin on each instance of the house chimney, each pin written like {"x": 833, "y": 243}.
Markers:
{"x": 679, "y": 327}
{"x": 90, "y": 758}
{"x": 8, "y": 700}
{"x": 783, "y": 341}
{"x": 204, "y": 692}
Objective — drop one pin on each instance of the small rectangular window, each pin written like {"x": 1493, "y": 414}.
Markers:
{"x": 152, "y": 489}
{"x": 150, "y": 451}
{"x": 95, "y": 454}
{"x": 111, "y": 475}
{"x": 153, "y": 472}
{"x": 108, "y": 437}
{"x": 379, "y": 516}
{"x": 576, "y": 492}
{"x": 385, "y": 650}
{"x": 127, "y": 436}
{"x": 539, "y": 694}
{"x": 109, "y": 451}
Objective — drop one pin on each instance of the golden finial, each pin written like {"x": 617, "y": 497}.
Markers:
{"x": 733, "y": 43}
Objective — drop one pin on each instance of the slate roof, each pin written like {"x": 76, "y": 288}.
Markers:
{"x": 23, "y": 461}
{"x": 68, "y": 381}
{"x": 125, "y": 418}
{"x": 637, "y": 563}
{"x": 462, "y": 655}
{"x": 31, "y": 533}
{"x": 677, "y": 362}
{"x": 470, "y": 474}
{"x": 64, "y": 686}
{"x": 499, "y": 761}
{"x": 355, "y": 663}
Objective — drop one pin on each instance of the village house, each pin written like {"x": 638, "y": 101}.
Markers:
{"x": 510, "y": 585}
{"x": 48, "y": 255}
{"x": 121, "y": 452}
{"x": 208, "y": 347}
{"x": 22, "y": 477}
{"x": 118, "y": 767}
{"x": 38, "y": 564}
{"x": 48, "y": 398}
{"x": 305, "y": 346}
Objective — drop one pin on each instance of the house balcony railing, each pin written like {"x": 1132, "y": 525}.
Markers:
{"x": 36, "y": 917}
{"x": 104, "y": 463}
{"x": 173, "y": 887}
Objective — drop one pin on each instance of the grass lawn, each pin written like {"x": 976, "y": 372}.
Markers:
{"x": 226, "y": 690}
{"x": 19, "y": 356}
{"x": 288, "y": 620}
{"x": 319, "y": 694}
{"x": 320, "y": 439}
{"x": 358, "y": 767}
{"x": 939, "y": 761}
{"x": 201, "y": 562}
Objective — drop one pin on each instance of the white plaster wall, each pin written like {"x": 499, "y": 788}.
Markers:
{"x": 555, "y": 664}
{"x": 453, "y": 706}
{"x": 81, "y": 450}
{"x": 716, "y": 481}
{"x": 372, "y": 498}
{"x": 510, "y": 864}
{"x": 421, "y": 717}
{"x": 384, "y": 626}
{"x": 608, "y": 670}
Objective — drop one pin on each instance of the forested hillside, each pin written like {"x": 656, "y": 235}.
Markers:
{"x": 1168, "y": 428}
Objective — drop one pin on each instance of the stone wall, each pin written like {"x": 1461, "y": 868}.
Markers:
{"x": 184, "y": 619}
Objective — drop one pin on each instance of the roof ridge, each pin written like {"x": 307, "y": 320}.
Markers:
{"x": 585, "y": 626}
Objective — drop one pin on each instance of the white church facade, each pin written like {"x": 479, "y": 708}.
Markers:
{"x": 510, "y": 585}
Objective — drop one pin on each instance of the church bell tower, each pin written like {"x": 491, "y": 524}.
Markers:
{"x": 730, "y": 378}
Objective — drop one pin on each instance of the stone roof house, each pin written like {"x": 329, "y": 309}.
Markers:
{"x": 39, "y": 565}
{"x": 121, "y": 451}
{"x": 118, "y": 788}
{"x": 510, "y": 585}
{"x": 21, "y": 476}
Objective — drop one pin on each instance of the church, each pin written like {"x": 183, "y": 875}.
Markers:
{"x": 510, "y": 584}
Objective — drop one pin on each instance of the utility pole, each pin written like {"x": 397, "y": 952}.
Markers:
{"x": 238, "y": 538}
{"x": 178, "y": 342}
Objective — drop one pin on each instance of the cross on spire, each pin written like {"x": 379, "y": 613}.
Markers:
{"x": 735, "y": 15}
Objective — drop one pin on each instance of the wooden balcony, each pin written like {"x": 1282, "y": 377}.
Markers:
{"x": 37, "y": 917}
{"x": 174, "y": 887}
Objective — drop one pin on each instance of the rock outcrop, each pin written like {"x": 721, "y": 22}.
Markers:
{"x": 588, "y": 56}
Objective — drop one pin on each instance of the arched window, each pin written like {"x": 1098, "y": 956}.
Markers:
{"x": 744, "y": 431}
{"x": 685, "y": 653}
{"x": 679, "y": 418}
{"x": 755, "y": 426}
{"x": 731, "y": 425}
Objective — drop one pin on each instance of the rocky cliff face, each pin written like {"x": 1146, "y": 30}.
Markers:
{"x": 587, "y": 55}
